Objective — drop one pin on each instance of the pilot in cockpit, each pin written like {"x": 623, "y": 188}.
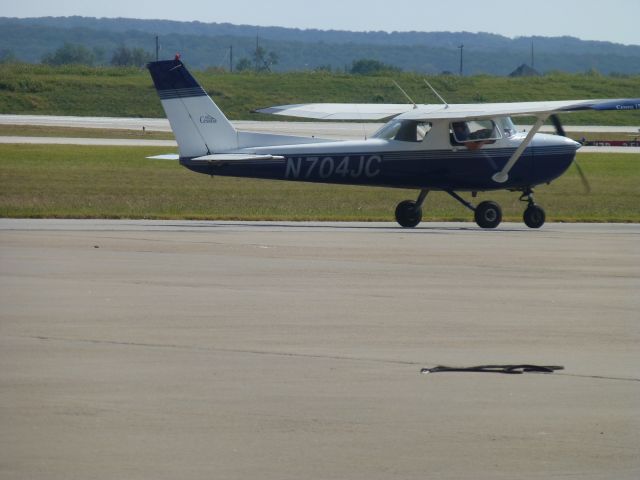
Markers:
{"x": 460, "y": 131}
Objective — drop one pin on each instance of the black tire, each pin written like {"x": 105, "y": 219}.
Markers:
{"x": 534, "y": 216}
{"x": 488, "y": 215}
{"x": 408, "y": 215}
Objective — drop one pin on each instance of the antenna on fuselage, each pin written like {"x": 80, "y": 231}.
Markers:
{"x": 404, "y": 93}
{"x": 446, "y": 105}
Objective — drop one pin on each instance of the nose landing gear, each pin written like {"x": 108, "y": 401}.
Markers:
{"x": 534, "y": 215}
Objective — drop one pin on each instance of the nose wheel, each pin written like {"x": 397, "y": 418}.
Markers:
{"x": 534, "y": 215}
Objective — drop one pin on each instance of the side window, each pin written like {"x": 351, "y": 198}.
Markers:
{"x": 412, "y": 131}
{"x": 423, "y": 130}
{"x": 474, "y": 131}
{"x": 404, "y": 131}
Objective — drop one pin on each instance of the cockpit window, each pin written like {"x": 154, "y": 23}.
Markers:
{"x": 474, "y": 131}
{"x": 404, "y": 131}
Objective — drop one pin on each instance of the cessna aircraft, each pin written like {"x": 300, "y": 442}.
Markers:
{"x": 451, "y": 148}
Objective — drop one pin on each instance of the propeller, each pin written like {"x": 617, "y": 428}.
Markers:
{"x": 558, "y": 124}
{"x": 560, "y": 131}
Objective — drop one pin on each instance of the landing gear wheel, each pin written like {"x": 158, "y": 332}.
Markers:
{"x": 488, "y": 215}
{"x": 408, "y": 214}
{"x": 534, "y": 216}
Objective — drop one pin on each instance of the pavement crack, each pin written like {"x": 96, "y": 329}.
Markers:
{"x": 223, "y": 350}
{"x": 600, "y": 377}
{"x": 196, "y": 348}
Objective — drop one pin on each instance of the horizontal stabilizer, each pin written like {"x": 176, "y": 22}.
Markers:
{"x": 168, "y": 156}
{"x": 235, "y": 158}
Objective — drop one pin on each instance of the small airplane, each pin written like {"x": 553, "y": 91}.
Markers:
{"x": 451, "y": 148}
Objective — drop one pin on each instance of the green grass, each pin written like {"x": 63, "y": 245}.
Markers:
{"x": 128, "y": 92}
{"x": 118, "y": 182}
{"x": 79, "y": 132}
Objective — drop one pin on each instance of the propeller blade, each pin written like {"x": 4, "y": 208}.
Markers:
{"x": 556, "y": 123}
{"x": 560, "y": 131}
{"x": 583, "y": 177}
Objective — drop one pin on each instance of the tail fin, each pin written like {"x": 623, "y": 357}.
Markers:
{"x": 197, "y": 122}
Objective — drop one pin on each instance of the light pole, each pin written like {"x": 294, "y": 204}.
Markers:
{"x": 461, "y": 47}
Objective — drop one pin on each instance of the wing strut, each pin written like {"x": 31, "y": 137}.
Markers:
{"x": 503, "y": 175}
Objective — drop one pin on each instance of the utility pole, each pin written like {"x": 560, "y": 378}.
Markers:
{"x": 157, "y": 48}
{"x": 532, "y": 63}
{"x": 461, "y": 47}
{"x": 257, "y": 48}
{"x": 231, "y": 58}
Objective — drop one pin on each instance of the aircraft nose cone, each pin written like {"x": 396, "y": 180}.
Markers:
{"x": 553, "y": 156}
{"x": 566, "y": 141}
{"x": 576, "y": 145}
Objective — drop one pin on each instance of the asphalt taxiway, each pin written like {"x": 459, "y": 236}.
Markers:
{"x": 149, "y": 349}
{"x": 329, "y": 130}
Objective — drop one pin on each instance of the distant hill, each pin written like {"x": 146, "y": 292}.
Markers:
{"x": 207, "y": 45}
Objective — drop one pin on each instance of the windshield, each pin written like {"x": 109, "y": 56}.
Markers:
{"x": 507, "y": 126}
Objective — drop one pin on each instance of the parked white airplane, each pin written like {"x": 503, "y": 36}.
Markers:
{"x": 444, "y": 147}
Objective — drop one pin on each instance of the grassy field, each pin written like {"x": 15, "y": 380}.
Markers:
{"x": 128, "y": 92}
{"x": 80, "y": 132}
{"x": 118, "y": 182}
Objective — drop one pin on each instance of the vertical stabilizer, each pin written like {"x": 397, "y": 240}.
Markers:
{"x": 197, "y": 122}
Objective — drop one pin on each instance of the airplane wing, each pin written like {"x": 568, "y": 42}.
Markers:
{"x": 372, "y": 111}
{"x": 340, "y": 111}
{"x": 519, "y": 109}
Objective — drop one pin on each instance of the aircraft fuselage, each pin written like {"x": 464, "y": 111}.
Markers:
{"x": 393, "y": 163}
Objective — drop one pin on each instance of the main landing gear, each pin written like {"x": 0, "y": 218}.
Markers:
{"x": 409, "y": 213}
{"x": 487, "y": 214}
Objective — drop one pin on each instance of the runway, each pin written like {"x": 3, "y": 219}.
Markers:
{"x": 171, "y": 349}
{"x": 328, "y": 130}
{"x": 354, "y": 129}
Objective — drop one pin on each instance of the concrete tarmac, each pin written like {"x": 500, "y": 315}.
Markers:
{"x": 173, "y": 349}
{"x": 328, "y": 130}
{"x": 324, "y": 129}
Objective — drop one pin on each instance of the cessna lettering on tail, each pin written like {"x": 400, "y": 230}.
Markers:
{"x": 207, "y": 119}
{"x": 362, "y": 166}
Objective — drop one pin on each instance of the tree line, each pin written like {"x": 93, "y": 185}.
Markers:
{"x": 262, "y": 60}
{"x": 76, "y": 54}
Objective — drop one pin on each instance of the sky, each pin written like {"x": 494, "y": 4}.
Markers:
{"x": 614, "y": 21}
